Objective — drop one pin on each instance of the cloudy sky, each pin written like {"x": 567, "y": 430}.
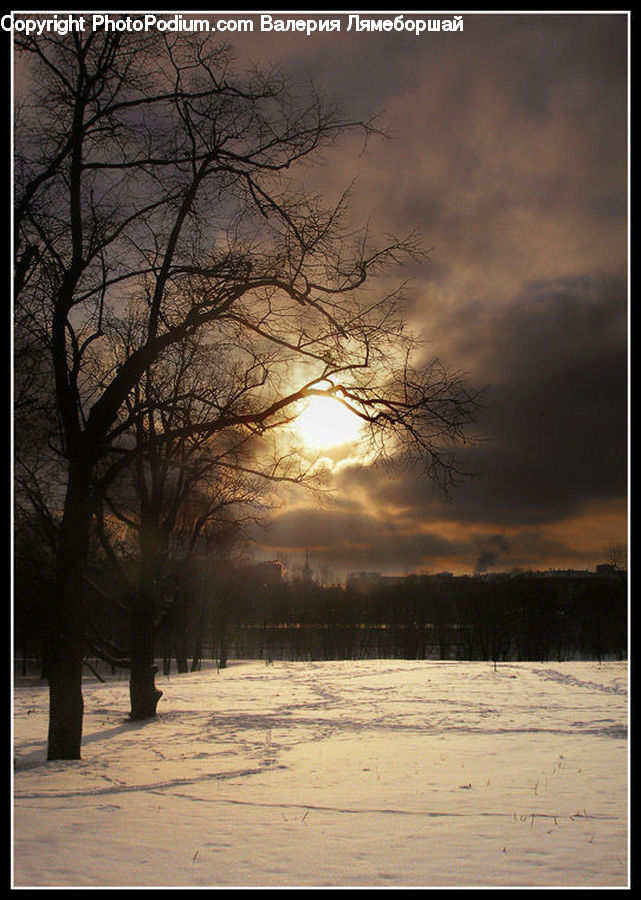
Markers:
{"x": 509, "y": 154}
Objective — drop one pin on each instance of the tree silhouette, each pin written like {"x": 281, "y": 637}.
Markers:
{"x": 148, "y": 172}
{"x": 179, "y": 496}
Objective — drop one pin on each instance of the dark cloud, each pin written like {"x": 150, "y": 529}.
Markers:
{"x": 354, "y": 535}
{"x": 348, "y": 540}
{"x": 558, "y": 412}
{"x": 555, "y": 427}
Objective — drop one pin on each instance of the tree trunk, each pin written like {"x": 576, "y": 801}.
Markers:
{"x": 222, "y": 649}
{"x": 143, "y": 693}
{"x": 198, "y": 651}
{"x": 65, "y": 649}
{"x": 66, "y": 706}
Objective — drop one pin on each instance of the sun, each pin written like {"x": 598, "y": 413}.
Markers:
{"x": 325, "y": 423}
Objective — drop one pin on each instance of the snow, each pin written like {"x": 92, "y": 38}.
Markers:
{"x": 373, "y": 773}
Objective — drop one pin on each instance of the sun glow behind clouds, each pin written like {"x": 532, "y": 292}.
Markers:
{"x": 325, "y": 423}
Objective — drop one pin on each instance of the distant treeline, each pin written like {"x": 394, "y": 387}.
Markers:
{"x": 220, "y": 612}
{"x": 522, "y": 617}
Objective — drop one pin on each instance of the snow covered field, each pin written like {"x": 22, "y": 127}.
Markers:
{"x": 362, "y": 773}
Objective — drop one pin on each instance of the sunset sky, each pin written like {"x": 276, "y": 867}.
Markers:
{"x": 509, "y": 154}
{"x": 507, "y": 151}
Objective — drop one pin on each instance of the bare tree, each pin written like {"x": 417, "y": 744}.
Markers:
{"x": 179, "y": 495}
{"x": 148, "y": 172}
